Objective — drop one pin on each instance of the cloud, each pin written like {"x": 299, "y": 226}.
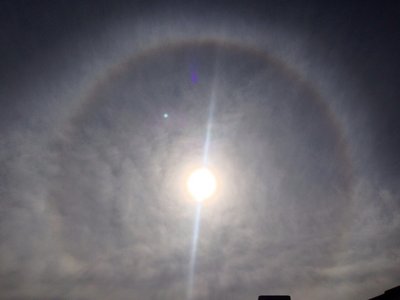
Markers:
{"x": 92, "y": 193}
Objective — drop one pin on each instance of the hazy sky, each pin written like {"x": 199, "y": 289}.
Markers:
{"x": 298, "y": 103}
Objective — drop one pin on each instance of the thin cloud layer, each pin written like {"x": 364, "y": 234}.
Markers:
{"x": 93, "y": 200}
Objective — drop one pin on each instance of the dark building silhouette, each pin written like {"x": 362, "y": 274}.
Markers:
{"x": 274, "y": 298}
{"x": 392, "y": 294}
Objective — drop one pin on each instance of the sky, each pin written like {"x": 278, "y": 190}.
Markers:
{"x": 107, "y": 106}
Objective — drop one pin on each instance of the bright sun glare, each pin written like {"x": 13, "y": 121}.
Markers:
{"x": 201, "y": 184}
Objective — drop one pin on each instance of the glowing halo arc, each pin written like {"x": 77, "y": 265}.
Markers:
{"x": 89, "y": 99}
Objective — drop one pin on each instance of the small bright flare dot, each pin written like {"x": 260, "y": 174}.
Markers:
{"x": 165, "y": 115}
{"x": 201, "y": 184}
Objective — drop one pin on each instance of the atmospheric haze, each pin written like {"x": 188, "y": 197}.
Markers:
{"x": 108, "y": 107}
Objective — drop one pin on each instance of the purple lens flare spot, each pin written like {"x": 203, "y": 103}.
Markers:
{"x": 194, "y": 77}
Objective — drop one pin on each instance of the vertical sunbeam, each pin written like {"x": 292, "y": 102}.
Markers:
{"x": 208, "y": 129}
{"x": 196, "y": 226}
{"x": 192, "y": 263}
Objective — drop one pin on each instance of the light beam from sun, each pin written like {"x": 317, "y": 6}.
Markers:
{"x": 204, "y": 178}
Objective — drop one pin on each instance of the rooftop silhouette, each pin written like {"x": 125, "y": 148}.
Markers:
{"x": 392, "y": 294}
{"x": 275, "y": 297}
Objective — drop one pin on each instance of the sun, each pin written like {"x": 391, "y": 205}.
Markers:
{"x": 201, "y": 184}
